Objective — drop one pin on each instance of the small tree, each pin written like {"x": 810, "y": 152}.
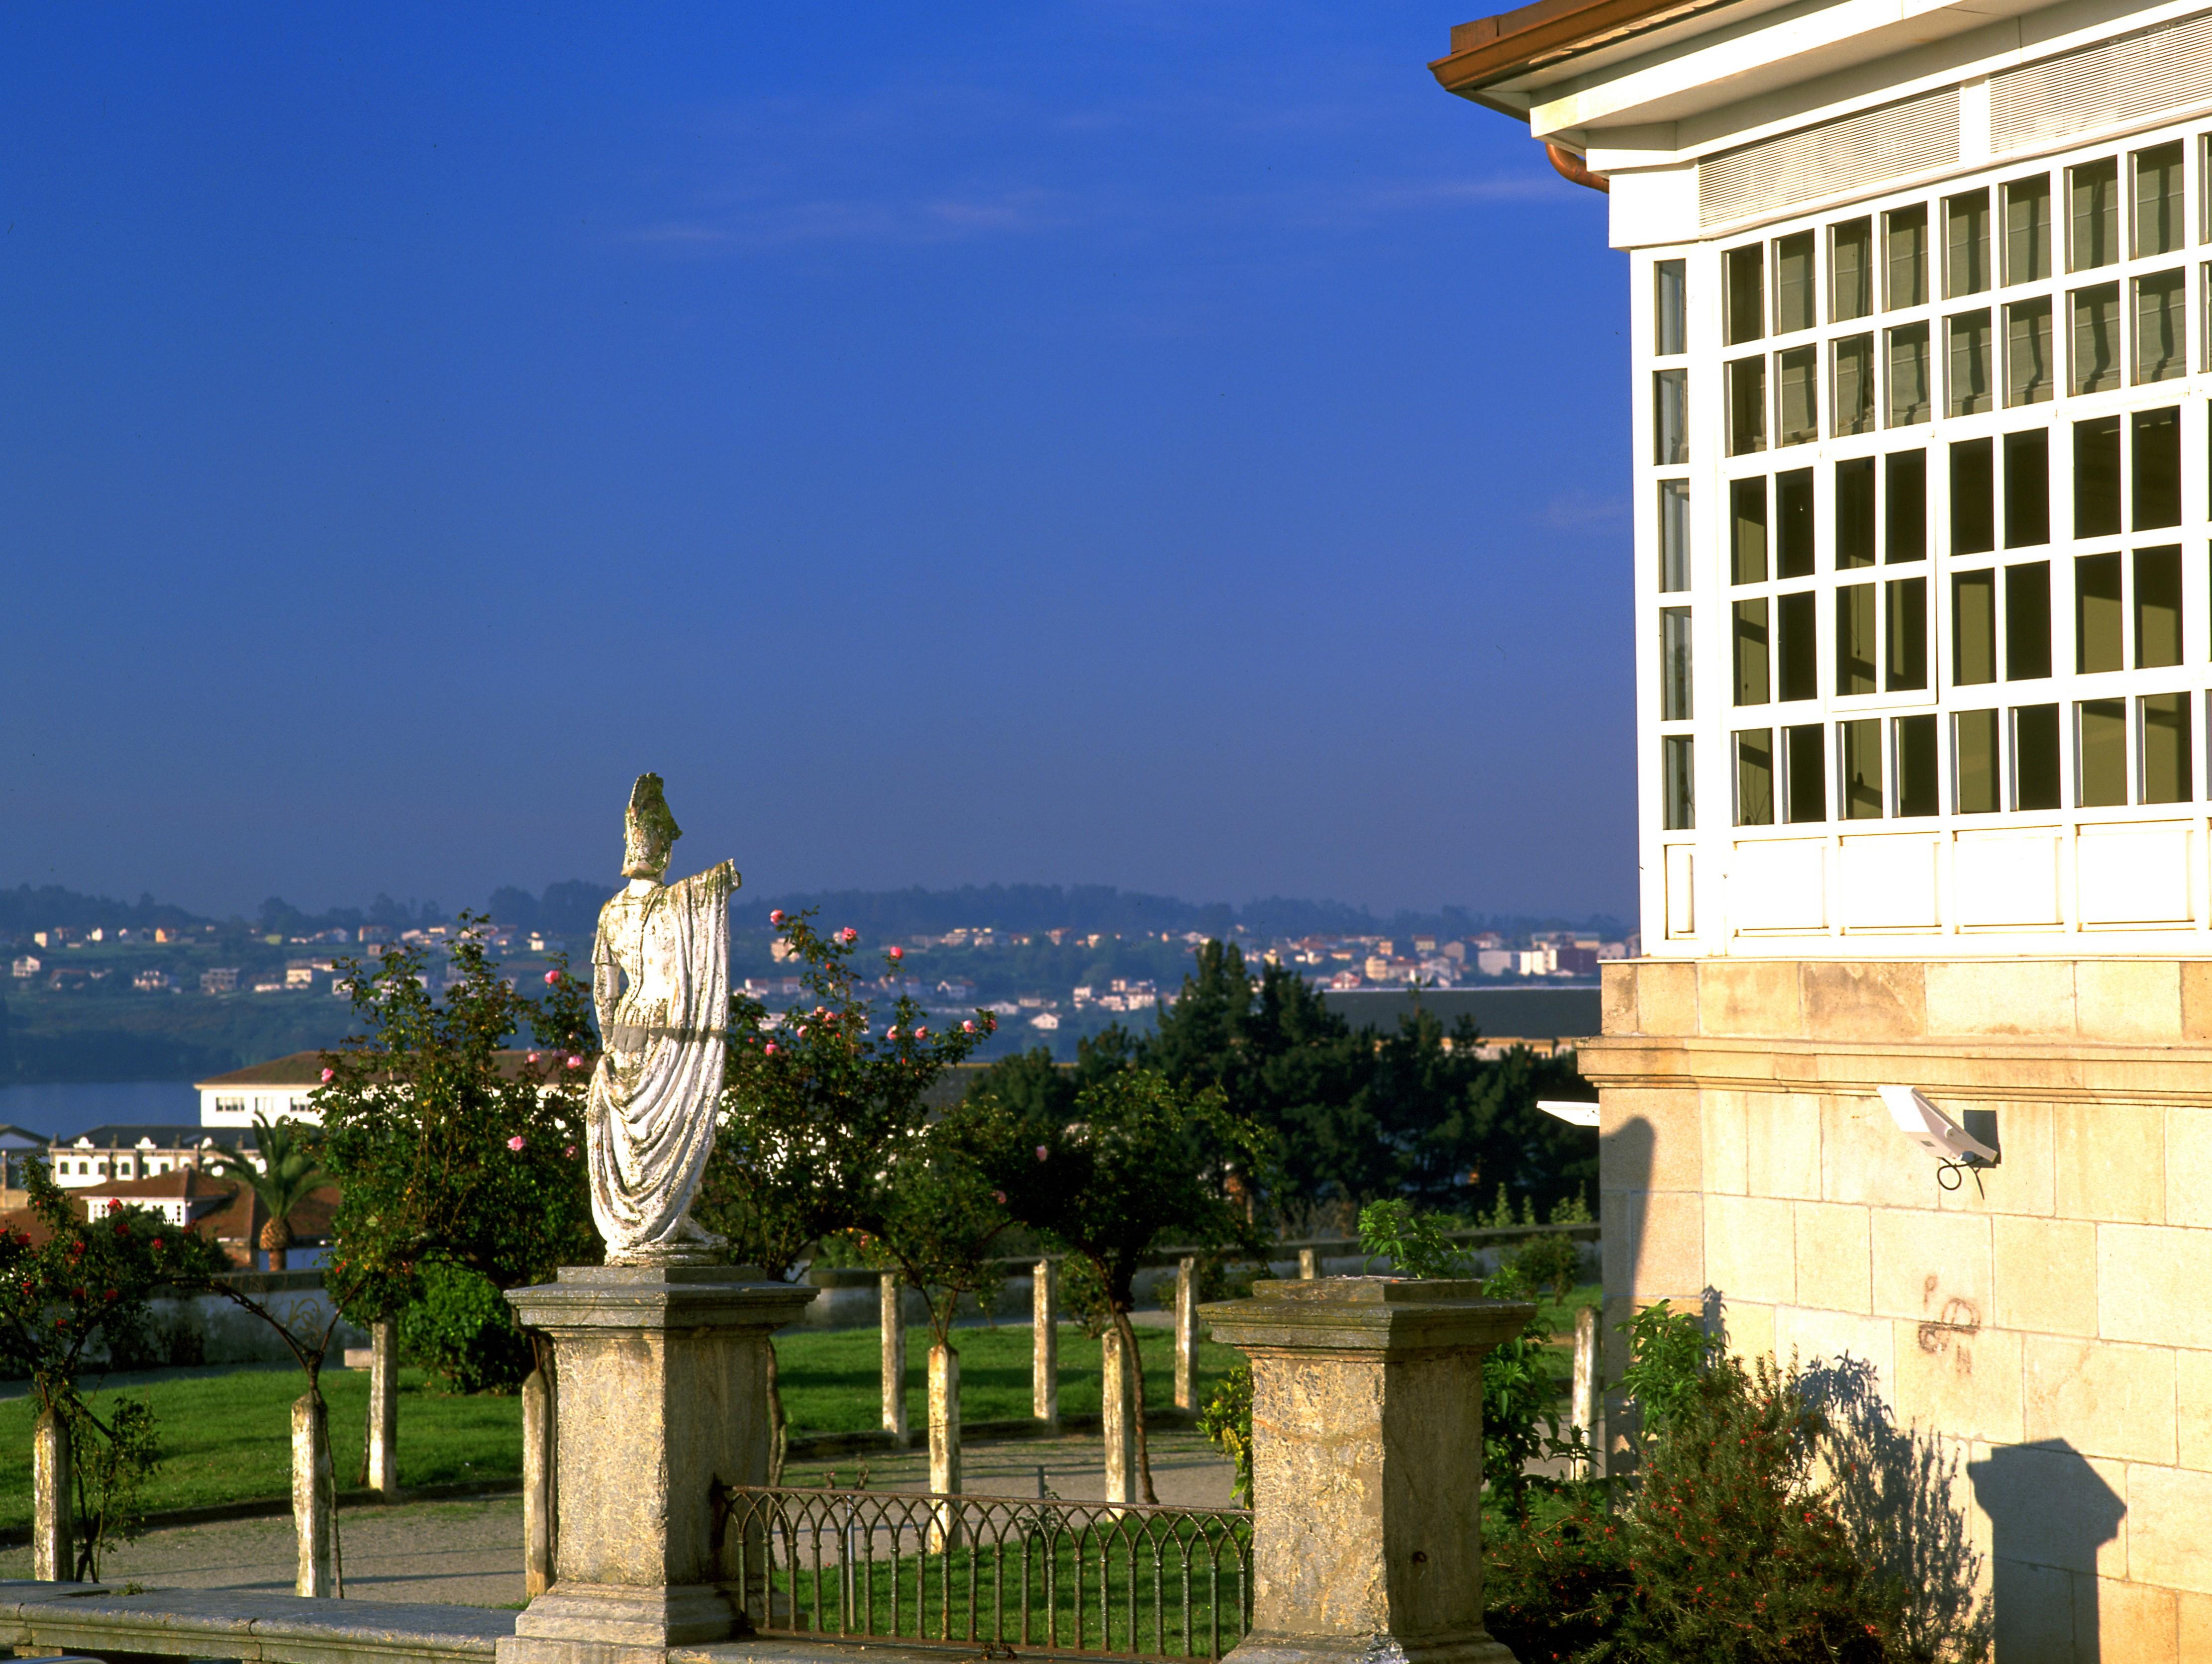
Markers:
{"x": 287, "y": 1175}
{"x": 817, "y": 1101}
{"x": 1142, "y": 1164}
{"x": 72, "y": 1291}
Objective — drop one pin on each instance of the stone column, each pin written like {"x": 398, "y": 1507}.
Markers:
{"x": 1117, "y": 1400}
{"x": 53, "y": 1502}
{"x": 943, "y": 1440}
{"x": 1044, "y": 1344}
{"x": 313, "y": 1496}
{"x": 1581, "y": 1403}
{"x": 384, "y": 1408}
{"x": 893, "y": 1318}
{"x": 663, "y": 1373}
{"x": 538, "y": 1495}
{"x": 1367, "y": 1466}
{"x": 1308, "y": 1263}
{"x": 1186, "y": 1334}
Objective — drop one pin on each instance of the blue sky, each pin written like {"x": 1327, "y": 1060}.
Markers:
{"x": 1175, "y": 445}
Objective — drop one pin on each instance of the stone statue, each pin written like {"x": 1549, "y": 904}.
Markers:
{"x": 660, "y": 982}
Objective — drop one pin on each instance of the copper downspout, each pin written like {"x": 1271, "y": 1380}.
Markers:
{"x": 1571, "y": 166}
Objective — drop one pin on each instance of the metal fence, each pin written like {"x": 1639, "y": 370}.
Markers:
{"x": 999, "y": 1571}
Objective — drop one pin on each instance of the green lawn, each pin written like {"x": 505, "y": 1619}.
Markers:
{"x": 831, "y": 1384}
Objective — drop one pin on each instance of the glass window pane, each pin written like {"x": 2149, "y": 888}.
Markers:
{"x": 1974, "y": 753}
{"x": 1904, "y": 512}
{"x": 1974, "y": 497}
{"x": 1754, "y": 778}
{"x": 1673, "y": 534}
{"x": 1862, "y": 768}
{"x": 1670, "y": 323}
{"x": 2035, "y": 757}
{"x": 1748, "y": 536}
{"x": 2092, "y": 192}
{"x": 1965, "y": 244}
{"x": 1751, "y": 651}
{"x": 1854, "y": 513}
{"x": 1677, "y": 804}
{"x": 2028, "y": 489}
{"x": 1854, "y": 385}
{"x": 1967, "y": 387}
{"x": 1747, "y": 406}
{"x": 1796, "y": 645}
{"x": 2164, "y": 718}
{"x": 1797, "y": 395}
{"x": 2097, "y": 645}
{"x": 1793, "y": 284}
{"x": 2160, "y": 227}
{"x": 1745, "y": 294}
{"x": 2027, "y": 229}
{"x": 2028, "y": 372}
{"x": 1674, "y": 664}
{"x": 1905, "y": 666}
{"x": 2162, "y": 343}
{"x": 1913, "y": 740}
{"x": 2097, "y": 476}
{"x": 2096, "y": 338}
{"x": 2158, "y": 608}
{"x": 1854, "y": 640}
{"x": 2156, "y": 471}
{"x": 1904, "y": 257}
{"x": 1793, "y": 523}
{"x": 1911, "y": 396}
{"x": 2027, "y": 622}
{"x": 1850, "y": 271}
{"x": 1670, "y": 417}
{"x": 1974, "y": 628}
{"x": 1806, "y": 798}
{"x": 2100, "y": 758}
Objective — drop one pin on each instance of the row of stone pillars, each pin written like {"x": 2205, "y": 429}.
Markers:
{"x": 1367, "y": 1461}
{"x": 1116, "y": 1382}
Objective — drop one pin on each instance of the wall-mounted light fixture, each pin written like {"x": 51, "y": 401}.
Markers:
{"x": 1955, "y": 1149}
{"x": 1573, "y": 1111}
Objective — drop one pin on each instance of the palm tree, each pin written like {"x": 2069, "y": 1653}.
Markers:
{"x": 289, "y": 1173}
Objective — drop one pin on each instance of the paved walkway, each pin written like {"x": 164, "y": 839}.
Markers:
{"x": 470, "y": 1553}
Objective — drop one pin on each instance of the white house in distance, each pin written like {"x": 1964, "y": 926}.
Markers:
{"x": 276, "y": 1090}
{"x": 1918, "y": 305}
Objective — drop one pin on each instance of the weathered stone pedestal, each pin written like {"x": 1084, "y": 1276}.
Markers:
{"x": 1367, "y": 1468}
{"x": 663, "y": 1374}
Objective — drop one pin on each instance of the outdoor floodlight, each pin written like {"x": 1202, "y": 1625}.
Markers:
{"x": 1934, "y": 1130}
{"x": 1573, "y": 1111}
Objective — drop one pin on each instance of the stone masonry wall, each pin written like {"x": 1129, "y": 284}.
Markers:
{"x": 2054, "y": 1328}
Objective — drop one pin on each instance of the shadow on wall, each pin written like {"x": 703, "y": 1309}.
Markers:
{"x": 2049, "y": 1513}
{"x": 1898, "y": 1493}
{"x": 1624, "y": 1184}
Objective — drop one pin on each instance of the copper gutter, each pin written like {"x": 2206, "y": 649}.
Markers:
{"x": 1572, "y": 166}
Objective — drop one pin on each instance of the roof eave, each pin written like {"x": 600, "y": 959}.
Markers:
{"x": 1492, "y": 50}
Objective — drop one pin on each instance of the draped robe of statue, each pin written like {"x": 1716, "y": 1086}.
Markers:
{"x": 658, "y": 1082}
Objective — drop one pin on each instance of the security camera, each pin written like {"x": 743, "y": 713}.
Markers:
{"x": 1934, "y": 1130}
{"x": 1571, "y": 1110}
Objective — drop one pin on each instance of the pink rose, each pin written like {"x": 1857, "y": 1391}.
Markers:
{"x": 848, "y": 935}
{"x": 552, "y": 979}
{"x": 575, "y": 1062}
{"x": 968, "y": 1027}
{"x": 921, "y": 1034}
{"x": 802, "y": 1031}
{"x": 898, "y": 953}
{"x": 1041, "y": 1152}
{"x": 776, "y": 916}
{"x": 515, "y": 1143}
{"x": 570, "y": 1153}
{"x": 891, "y": 1033}
{"x": 999, "y": 1197}
{"x": 529, "y": 1057}
{"x": 329, "y": 1075}
{"x": 770, "y": 1049}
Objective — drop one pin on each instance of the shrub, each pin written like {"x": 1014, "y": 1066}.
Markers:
{"x": 1552, "y": 1261}
{"x": 463, "y": 1333}
{"x": 1555, "y": 1588}
{"x": 1227, "y": 1421}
